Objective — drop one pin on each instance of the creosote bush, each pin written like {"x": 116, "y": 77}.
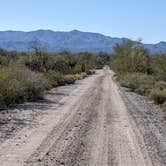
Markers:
{"x": 58, "y": 79}
{"x": 19, "y": 84}
{"x": 140, "y": 71}
{"x": 158, "y": 96}
{"x": 138, "y": 82}
{"x": 164, "y": 106}
{"x": 158, "y": 93}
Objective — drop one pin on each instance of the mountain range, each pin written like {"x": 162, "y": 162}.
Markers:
{"x": 74, "y": 41}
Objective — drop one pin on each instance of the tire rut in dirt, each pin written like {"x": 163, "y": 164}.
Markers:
{"x": 71, "y": 146}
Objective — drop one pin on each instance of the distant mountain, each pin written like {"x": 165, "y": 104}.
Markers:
{"x": 156, "y": 48}
{"x": 74, "y": 41}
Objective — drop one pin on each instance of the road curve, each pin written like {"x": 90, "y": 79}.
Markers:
{"x": 90, "y": 127}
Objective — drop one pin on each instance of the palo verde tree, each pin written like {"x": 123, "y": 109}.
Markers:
{"x": 131, "y": 57}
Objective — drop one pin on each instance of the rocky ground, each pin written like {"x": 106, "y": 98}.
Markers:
{"x": 91, "y": 123}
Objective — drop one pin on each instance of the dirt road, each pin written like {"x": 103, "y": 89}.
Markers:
{"x": 91, "y": 126}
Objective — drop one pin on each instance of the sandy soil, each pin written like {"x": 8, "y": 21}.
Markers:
{"x": 91, "y": 123}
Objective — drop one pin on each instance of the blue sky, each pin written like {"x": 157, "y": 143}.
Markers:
{"x": 116, "y": 18}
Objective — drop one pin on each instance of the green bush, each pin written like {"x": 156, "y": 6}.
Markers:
{"x": 159, "y": 67}
{"x": 138, "y": 70}
{"x": 76, "y": 69}
{"x": 130, "y": 57}
{"x": 164, "y": 106}
{"x": 61, "y": 64}
{"x": 57, "y": 79}
{"x": 160, "y": 85}
{"x": 18, "y": 84}
{"x": 158, "y": 96}
{"x": 158, "y": 93}
{"x": 53, "y": 78}
{"x": 69, "y": 79}
{"x": 39, "y": 63}
{"x": 140, "y": 83}
{"x": 9, "y": 87}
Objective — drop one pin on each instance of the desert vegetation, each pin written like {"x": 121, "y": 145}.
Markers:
{"x": 26, "y": 76}
{"x": 140, "y": 71}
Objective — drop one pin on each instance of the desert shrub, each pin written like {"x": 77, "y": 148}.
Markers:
{"x": 101, "y": 59}
{"x": 53, "y": 77}
{"x": 136, "y": 69}
{"x": 58, "y": 79}
{"x": 130, "y": 57}
{"x": 6, "y": 57}
{"x": 61, "y": 64}
{"x": 160, "y": 85}
{"x": 32, "y": 80}
{"x": 18, "y": 84}
{"x": 69, "y": 79}
{"x": 76, "y": 69}
{"x": 158, "y": 96}
{"x": 158, "y": 93}
{"x": 35, "y": 86}
{"x": 164, "y": 106}
{"x": 66, "y": 79}
{"x": 159, "y": 67}
{"x": 4, "y": 60}
{"x": 138, "y": 82}
{"x": 10, "y": 88}
{"x": 41, "y": 62}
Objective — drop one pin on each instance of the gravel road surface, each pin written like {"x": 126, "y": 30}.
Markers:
{"x": 91, "y": 123}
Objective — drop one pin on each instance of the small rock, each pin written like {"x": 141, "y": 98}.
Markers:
{"x": 39, "y": 160}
